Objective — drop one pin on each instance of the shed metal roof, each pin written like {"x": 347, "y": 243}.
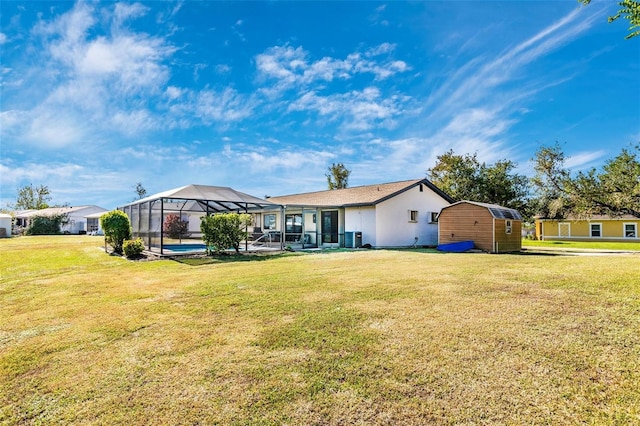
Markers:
{"x": 497, "y": 211}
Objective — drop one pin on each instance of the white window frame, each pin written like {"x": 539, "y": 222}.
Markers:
{"x": 635, "y": 229}
{"x": 599, "y": 225}
{"x": 433, "y": 217}
{"x": 508, "y": 226}
{"x": 568, "y": 225}
{"x": 413, "y": 216}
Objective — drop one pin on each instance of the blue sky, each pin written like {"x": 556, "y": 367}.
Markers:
{"x": 265, "y": 96}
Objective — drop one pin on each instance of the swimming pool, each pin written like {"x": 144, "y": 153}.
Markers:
{"x": 182, "y": 248}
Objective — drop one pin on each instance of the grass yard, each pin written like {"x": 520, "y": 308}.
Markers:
{"x": 363, "y": 337}
{"x": 592, "y": 245}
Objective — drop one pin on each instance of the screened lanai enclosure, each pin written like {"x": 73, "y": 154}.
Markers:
{"x": 169, "y": 222}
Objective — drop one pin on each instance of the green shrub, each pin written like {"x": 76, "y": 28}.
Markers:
{"x": 46, "y": 225}
{"x": 133, "y": 248}
{"x": 224, "y": 230}
{"x": 117, "y": 228}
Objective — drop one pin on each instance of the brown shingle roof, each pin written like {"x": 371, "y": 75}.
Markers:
{"x": 355, "y": 196}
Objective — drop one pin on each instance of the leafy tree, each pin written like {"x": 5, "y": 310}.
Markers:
{"x": 463, "y": 177}
{"x": 338, "y": 176}
{"x": 630, "y": 10}
{"x": 33, "y": 198}
{"x": 224, "y": 230}
{"x": 175, "y": 227}
{"x": 140, "y": 191}
{"x": 613, "y": 191}
{"x": 46, "y": 225}
{"x": 117, "y": 229}
{"x": 457, "y": 175}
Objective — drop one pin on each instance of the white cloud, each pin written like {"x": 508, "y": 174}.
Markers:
{"x": 88, "y": 80}
{"x": 224, "y": 106}
{"x": 292, "y": 67}
{"x": 3, "y": 38}
{"x": 583, "y": 160}
{"x": 355, "y": 110}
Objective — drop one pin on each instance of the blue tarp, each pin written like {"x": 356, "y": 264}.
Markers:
{"x": 458, "y": 247}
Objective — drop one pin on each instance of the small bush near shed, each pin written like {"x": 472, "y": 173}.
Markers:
{"x": 133, "y": 248}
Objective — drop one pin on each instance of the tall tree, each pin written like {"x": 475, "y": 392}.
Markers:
{"x": 33, "y": 198}
{"x": 338, "y": 176}
{"x": 463, "y": 177}
{"x": 457, "y": 175}
{"x": 630, "y": 10}
{"x": 140, "y": 191}
{"x": 613, "y": 191}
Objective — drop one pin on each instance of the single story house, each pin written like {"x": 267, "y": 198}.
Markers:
{"x": 76, "y": 221}
{"x": 594, "y": 228}
{"x": 396, "y": 214}
{"x": 492, "y": 228}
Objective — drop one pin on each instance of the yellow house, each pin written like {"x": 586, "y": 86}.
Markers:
{"x": 595, "y": 228}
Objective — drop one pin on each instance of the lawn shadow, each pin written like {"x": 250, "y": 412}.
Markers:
{"x": 227, "y": 258}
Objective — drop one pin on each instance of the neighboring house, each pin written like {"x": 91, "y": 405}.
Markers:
{"x": 93, "y": 223}
{"x": 76, "y": 222}
{"x": 492, "y": 228}
{"x": 397, "y": 214}
{"x": 595, "y": 228}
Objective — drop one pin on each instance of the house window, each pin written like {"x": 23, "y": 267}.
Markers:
{"x": 631, "y": 230}
{"x": 596, "y": 229}
{"x": 293, "y": 223}
{"x": 433, "y": 217}
{"x": 413, "y": 215}
{"x": 564, "y": 229}
{"x": 508, "y": 227}
{"x": 269, "y": 221}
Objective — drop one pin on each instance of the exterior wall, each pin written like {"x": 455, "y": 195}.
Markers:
{"x": 78, "y": 219}
{"x": 580, "y": 230}
{"x": 505, "y": 243}
{"x": 362, "y": 219}
{"x": 393, "y": 227}
{"x": 5, "y": 225}
{"x": 467, "y": 222}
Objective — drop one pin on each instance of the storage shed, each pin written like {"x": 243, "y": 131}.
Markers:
{"x": 492, "y": 228}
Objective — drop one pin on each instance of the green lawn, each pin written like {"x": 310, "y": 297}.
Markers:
{"x": 594, "y": 245}
{"x": 365, "y": 337}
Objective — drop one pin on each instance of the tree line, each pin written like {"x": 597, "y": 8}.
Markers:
{"x": 553, "y": 192}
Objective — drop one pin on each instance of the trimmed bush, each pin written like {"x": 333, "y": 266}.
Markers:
{"x": 117, "y": 228}
{"x": 133, "y": 248}
{"x": 224, "y": 231}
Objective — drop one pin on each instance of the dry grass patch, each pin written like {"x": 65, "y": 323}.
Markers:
{"x": 365, "y": 337}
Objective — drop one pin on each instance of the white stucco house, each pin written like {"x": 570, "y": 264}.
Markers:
{"x": 80, "y": 219}
{"x": 396, "y": 214}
